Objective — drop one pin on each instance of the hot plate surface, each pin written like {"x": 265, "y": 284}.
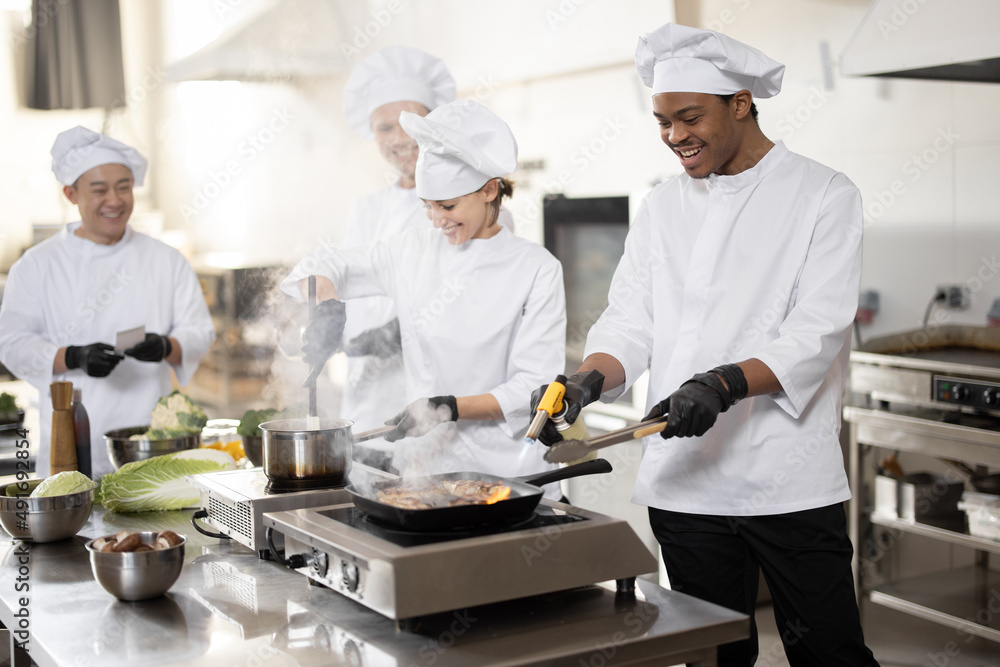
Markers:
{"x": 543, "y": 517}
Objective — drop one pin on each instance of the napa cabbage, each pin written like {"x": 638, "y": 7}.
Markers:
{"x": 159, "y": 483}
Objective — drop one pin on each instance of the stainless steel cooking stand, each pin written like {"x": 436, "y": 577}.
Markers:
{"x": 927, "y": 393}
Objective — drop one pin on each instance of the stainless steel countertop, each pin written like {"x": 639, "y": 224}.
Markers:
{"x": 229, "y": 608}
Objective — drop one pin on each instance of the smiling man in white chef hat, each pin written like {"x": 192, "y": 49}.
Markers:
{"x": 737, "y": 290}
{"x": 68, "y": 297}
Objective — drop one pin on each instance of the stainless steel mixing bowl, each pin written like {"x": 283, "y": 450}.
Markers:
{"x": 123, "y": 450}
{"x": 43, "y": 519}
{"x": 137, "y": 576}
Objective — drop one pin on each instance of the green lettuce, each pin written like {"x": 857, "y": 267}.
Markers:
{"x": 158, "y": 484}
{"x": 63, "y": 484}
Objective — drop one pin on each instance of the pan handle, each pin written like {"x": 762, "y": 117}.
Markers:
{"x": 374, "y": 433}
{"x": 595, "y": 467}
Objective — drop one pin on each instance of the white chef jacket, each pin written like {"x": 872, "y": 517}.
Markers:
{"x": 488, "y": 316}
{"x": 376, "y": 388}
{"x": 68, "y": 290}
{"x": 764, "y": 264}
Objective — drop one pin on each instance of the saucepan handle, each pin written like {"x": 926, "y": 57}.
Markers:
{"x": 374, "y": 433}
{"x": 595, "y": 467}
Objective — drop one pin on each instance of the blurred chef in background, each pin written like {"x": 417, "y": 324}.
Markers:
{"x": 69, "y": 296}
{"x": 394, "y": 80}
{"x": 482, "y": 312}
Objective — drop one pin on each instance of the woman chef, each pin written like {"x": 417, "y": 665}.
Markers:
{"x": 482, "y": 312}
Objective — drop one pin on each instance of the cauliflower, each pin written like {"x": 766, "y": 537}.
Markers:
{"x": 175, "y": 416}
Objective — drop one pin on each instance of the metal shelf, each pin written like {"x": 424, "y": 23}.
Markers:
{"x": 960, "y": 599}
{"x": 979, "y": 543}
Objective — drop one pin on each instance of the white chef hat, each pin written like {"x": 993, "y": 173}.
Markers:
{"x": 678, "y": 58}
{"x": 462, "y": 146}
{"x": 395, "y": 74}
{"x": 78, "y": 150}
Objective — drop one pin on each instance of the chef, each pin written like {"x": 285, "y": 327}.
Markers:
{"x": 737, "y": 291}
{"x": 481, "y": 312}
{"x": 394, "y": 80}
{"x": 67, "y": 298}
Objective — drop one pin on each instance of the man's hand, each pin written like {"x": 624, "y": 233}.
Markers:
{"x": 422, "y": 416}
{"x": 96, "y": 360}
{"x": 693, "y": 409}
{"x": 382, "y": 342}
{"x": 323, "y": 336}
{"x": 155, "y": 347}
{"x": 582, "y": 389}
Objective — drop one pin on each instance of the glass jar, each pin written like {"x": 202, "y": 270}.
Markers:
{"x": 221, "y": 434}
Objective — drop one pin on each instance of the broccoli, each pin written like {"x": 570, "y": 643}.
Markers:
{"x": 252, "y": 419}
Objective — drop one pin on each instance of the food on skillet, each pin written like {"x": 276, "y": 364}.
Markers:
{"x": 448, "y": 493}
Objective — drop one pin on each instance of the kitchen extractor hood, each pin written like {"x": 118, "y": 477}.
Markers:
{"x": 946, "y": 40}
{"x": 275, "y": 41}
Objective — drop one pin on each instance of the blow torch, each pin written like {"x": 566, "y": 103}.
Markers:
{"x": 551, "y": 406}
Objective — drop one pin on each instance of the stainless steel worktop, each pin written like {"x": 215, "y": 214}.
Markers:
{"x": 229, "y": 608}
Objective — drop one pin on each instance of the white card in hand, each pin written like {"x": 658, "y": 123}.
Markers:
{"x": 126, "y": 339}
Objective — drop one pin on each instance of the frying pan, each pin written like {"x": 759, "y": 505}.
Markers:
{"x": 525, "y": 494}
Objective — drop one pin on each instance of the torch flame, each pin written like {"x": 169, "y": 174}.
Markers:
{"x": 501, "y": 493}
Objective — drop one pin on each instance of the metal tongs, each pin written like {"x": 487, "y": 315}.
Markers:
{"x": 573, "y": 450}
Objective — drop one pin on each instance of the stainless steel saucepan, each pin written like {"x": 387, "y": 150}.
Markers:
{"x": 296, "y": 457}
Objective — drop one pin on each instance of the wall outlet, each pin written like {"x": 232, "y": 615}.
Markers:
{"x": 956, "y": 297}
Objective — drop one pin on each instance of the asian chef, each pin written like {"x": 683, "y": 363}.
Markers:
{"x": 68, "y": 297}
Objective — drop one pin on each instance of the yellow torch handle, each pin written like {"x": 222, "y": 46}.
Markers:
{"x": 552, "y": 399}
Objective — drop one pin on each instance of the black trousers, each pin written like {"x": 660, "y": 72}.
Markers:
{"x": 806, "y": 561}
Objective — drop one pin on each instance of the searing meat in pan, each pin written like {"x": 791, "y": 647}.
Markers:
{"x": 444, "y": 494}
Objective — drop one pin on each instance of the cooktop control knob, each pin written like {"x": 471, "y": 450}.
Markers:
{"x": 961, "y": 392}
{"x": 349, "y": 575}
{"x": 991, "y": 397}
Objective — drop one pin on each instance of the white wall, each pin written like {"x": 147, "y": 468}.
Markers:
{"x": 935, "y": 144}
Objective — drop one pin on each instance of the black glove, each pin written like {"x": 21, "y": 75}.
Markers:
{"x": 582, "y": 389}
{"x": 693, "y": 408}
{"x": 96, "y": 360}
{"x": 422, "y": 416}
{"x": 382, "y": 342}
{"x": 323, "y": 336}
{"x": 155, "y": 348}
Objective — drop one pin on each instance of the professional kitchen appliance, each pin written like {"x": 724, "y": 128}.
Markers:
{"x": 234, "y": 502}
{"x": 405, "y": 574}
{"x": 933, "y": 393}
{"x": 951, "y": 368}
